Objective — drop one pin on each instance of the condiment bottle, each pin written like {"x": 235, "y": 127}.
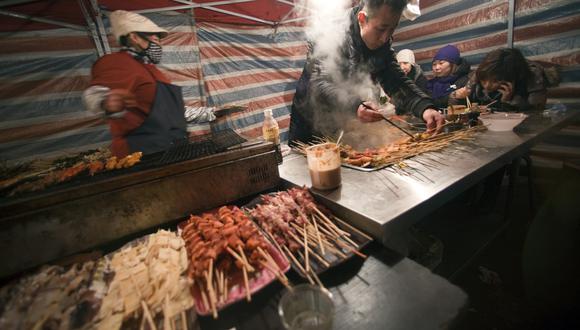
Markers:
{"x": 271, "y": 132}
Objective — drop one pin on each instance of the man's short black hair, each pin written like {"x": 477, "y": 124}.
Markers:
{"x": 371, "y": 6}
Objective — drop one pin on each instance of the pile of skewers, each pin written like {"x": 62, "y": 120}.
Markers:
{"x": 304, "y": 231}
{"x": 219, "y": 246}
{"x": 398, "y": 151}
{"x": 40, "y": 180}
{"x": 148, "y": 285}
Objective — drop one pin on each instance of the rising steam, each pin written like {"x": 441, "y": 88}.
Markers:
{"x": 326, "y": 28}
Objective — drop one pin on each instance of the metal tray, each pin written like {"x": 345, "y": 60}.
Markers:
{"x": 365, "y": 169}
{"x": 359, "y": 237}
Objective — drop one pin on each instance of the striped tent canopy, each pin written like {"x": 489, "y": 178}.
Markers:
{"x": 222, "y": 52}
{"x": 216, "y": 58}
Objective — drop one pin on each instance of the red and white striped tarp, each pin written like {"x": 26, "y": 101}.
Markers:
{"x": 43, "y": 74}
{"x": 543, "y": 30}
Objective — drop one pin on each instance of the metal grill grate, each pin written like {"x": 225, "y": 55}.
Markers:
{"x": 200, "y": 146}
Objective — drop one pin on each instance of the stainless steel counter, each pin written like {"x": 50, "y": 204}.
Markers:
{"x": 385, "y": 203}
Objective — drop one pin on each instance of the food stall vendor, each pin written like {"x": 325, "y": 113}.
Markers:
{"x": 145, "y": 111}
{"x": 328, "y": 93}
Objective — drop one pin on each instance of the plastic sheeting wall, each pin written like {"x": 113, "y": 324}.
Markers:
{"x": 543, "y": 30}
{"x": 257, "y": 67}
{"x": 43, "y": 74}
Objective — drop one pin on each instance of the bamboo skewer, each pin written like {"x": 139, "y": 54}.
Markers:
{"x": 313, "y": 273}
{"x": 318, "y": 236}
{"x": 277, "y": 274}
{"x": 204, "y": 296}
{"x": 183, "y": 320}
{"x": 240, "y": 259}
{"x": 167, "y": 324}
{"x": 269, "y": 259}
{"x": 306, "y": 259}
{"x": 250, "y": 269}
{"x": 246, "y": 284}
{"x": 295, "y": 261}
{"x": 146, "y": 312}
{"x": 226, "y": 292}
{"x": 323, "y": 242}
{"x": 324, "y": 262}
{"x": 210, "y": 289}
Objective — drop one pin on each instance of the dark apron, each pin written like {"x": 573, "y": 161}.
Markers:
{"x": 164, "y": 124}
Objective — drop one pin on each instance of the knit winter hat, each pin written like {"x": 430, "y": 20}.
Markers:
{"x": 406, "y": 55}
{"x": 448, "y": 53}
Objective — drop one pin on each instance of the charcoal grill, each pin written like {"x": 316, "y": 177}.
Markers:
{"x": 89, "y": 212}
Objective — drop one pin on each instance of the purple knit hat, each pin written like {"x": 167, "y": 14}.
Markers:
{"x": 448, "y": 53}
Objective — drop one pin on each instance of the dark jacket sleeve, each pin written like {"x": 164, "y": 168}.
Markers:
{"x": 332, "y": 94}
{"x": 396, "y": 84}
{"x": 421, "y": 82}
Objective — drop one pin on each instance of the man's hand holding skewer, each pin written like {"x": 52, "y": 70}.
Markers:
{"x": 434, "y": 120}
{"x": 368, "y": 112}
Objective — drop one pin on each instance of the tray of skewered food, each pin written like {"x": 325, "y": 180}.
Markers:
{"x": 373, "y": 159}
{"x": 44, "y": 174}
{"x": 229, "y": 258}
{"x": 312, "y": 238}
{"x": 143, "y": 283}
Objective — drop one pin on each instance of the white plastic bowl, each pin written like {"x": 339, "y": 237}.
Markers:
{"x": 501, "y": 121}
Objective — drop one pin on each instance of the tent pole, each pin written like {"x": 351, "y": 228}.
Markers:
{"x": 203, "y": 92}
{"x": 511, "y": 16}
{"x": 42, "y": 20}
{"x": 91, "y": 29}
{"x": 208, "y": 6}
{"x": 189, "y": 5}
{"x": 101, "y": 26}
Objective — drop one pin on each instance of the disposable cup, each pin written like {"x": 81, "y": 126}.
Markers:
{"x": 324, "y": 165}
{"x": 307, "y": 307}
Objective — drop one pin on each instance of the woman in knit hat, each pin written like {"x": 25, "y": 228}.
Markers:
{"x": 450, "y": 72}
{"x": 406, "y": 60}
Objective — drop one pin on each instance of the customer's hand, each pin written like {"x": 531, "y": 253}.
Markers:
{"x": 119, "y": 99}
{"x": 461, "y": 93}
{"x": 506, "y": 89}
{"x": 434, "y": 120}
{"x": 369, "y": 112}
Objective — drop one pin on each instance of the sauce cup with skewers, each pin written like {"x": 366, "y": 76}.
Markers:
{"x": 324, "y": 165}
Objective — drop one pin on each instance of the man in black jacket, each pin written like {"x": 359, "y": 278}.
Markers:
{"x": 326, "y": 95}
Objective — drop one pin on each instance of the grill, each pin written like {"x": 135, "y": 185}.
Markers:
{"x": 88, "y": 212}
{"x": 200, "y": 146}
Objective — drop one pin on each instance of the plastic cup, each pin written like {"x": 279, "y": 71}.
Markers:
{"x": 324, "y": 165}
{"x": 307, "y": 307}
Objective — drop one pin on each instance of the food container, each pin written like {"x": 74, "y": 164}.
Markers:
{"x": 502, "y": 121}
{"x": 324, "y": 165}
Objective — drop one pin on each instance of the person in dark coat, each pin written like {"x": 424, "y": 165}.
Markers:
{"x": 511, "y": 82}
{"x": 406, "y": 60}
{"x": 327, "y": 93}
{"x": 450, "y": 72}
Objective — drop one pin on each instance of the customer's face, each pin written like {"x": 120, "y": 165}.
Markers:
{"x": 442, "y": 68}
{"x": 406, "y": 67}
{"x": 378, "y": 29}
{"x": 491, "y": 85}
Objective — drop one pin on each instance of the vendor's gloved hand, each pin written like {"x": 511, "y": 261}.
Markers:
{"x": 229, "y": 108}
{"x": 368, "y": 112}
{"x": 119, "y": 99}
{"x": 434, "y": 120}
